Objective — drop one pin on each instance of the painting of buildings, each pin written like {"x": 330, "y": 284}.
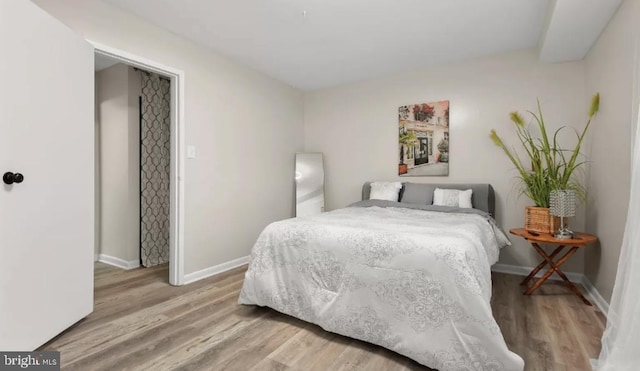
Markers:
{"x": 423, "y": 139}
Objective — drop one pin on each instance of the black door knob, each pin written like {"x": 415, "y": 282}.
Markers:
{"x": 10, "y": 178}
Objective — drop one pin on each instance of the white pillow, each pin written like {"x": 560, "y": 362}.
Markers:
{"x": 388, "y": 191}
{"x": 452, "y": 197}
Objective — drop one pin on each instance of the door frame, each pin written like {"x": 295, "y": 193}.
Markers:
{"x": 176, "y": 208}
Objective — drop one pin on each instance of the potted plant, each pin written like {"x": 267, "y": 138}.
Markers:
{"x": 443, "y": 147}
{"x": 407, "y": 140}
{"x": 552, "y": 165}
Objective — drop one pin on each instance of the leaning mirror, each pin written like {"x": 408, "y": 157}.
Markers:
{"x": 309, "y": 177}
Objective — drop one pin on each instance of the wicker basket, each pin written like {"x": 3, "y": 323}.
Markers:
{"x": 538, "y": 219}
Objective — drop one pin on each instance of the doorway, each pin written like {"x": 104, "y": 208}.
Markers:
{"x": 161, "y": 173}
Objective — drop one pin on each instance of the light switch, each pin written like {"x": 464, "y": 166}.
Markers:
{"x": 191, "y": 151}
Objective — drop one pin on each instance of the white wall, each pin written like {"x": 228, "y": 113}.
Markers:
{"x": 245, "y": 125}
{"x": 612, "y": 69}
{"x": 118, "y": 88}
{"x": 356, "y": 127}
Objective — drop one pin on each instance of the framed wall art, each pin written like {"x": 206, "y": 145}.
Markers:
{"x": 423, "y": 139}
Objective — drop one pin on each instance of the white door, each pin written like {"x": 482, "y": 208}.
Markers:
{"x": 46, "y": 134}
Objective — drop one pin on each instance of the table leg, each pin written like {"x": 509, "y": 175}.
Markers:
{"x": 555, "y": 267}
{"x": 574, "y": 288}
{"x": 542, "y": 264}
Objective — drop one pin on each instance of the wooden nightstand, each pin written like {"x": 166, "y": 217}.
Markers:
{"x": 578, "y": 241}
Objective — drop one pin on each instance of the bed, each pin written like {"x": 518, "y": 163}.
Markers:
{"x": 412, "y": 278}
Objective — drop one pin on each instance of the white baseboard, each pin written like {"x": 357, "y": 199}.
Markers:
{"x": 216, "y": 269}
{"x": 524, "y": 271}
{"x": 574, "y": 277}
{"x": 598, "y": 300}
{"x": 117, "y": 262}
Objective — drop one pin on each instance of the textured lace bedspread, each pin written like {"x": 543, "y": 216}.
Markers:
{"x": 417, "y": 282}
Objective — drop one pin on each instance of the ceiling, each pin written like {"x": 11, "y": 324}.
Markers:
{"x": 312, "y": 44}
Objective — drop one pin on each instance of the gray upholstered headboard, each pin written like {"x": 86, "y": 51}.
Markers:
{"x": 483, "y": 197}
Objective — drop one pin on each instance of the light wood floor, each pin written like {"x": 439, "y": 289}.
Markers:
{"x": 142, "y": 323}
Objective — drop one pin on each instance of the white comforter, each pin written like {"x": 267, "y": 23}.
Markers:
{"x": 416, "y": 282}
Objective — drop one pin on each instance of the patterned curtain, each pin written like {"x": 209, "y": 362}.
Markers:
{"x": 155, "y": 148}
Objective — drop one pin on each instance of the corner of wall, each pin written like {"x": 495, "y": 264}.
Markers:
{"x": 612, "y": 133}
